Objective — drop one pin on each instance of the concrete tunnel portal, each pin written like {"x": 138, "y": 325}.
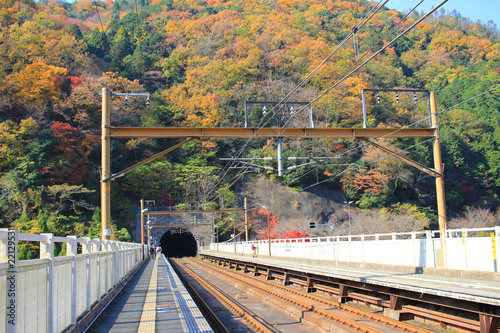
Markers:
{"x": 178, "y": 243}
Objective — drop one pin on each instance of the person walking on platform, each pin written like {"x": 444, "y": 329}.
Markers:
{"x": 152, "y": 252}
{"x": 158, "y": 251}
{"x": 254, "y": 250}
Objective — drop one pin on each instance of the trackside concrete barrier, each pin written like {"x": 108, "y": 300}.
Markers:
{"x": 465, "y": 249}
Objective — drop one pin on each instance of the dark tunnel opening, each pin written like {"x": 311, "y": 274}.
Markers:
{"x": 177, "y": 244}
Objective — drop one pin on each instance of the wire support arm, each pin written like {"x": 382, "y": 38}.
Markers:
{"x": 434, "y": 173}
{"x": 132, "y": 168}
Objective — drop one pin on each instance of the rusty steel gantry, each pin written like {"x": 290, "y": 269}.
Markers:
{"x": 109, "y": 132}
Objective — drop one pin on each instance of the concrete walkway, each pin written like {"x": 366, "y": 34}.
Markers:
{"x": 154, "y": 300}
{"x": 124, "y": 313}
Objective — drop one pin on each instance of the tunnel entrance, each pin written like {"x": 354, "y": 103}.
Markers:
{"x": 178, "y": 243}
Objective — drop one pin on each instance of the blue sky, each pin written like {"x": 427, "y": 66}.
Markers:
{"x": 483, "y": 10}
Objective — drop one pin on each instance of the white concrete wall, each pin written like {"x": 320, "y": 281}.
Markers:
{"x": 465, "y": 249}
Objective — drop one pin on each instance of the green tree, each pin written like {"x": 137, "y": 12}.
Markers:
{"x": 98, "y": 43}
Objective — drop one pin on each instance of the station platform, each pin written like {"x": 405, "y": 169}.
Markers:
{"x": 154, "y": 300}
{"x": 478, "y": 291}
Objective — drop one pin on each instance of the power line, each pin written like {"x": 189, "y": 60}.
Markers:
{"x": 451, "y": 131}
{"x": 98, "y": 15}
{"x": 420, "y": 143}
{"x": 346, "y": 75}
{"x": 367, "y": 18}
{"x": 376, "y": 53}
{"x": 372, "y": 12}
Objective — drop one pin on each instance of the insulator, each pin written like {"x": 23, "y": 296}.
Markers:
{"x": 126, "y": 100}
{"x": 415, "y": 99}
{"x": 378, "y": 98}
{"x": 397, "y": 97}
{"x": 292, "y": 111}
{"x": 264, "y": 110}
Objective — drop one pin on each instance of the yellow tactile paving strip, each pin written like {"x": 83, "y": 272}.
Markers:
{"x": 148, "y": 316}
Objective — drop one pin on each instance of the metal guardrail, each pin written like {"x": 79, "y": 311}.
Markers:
{"x": 48, "y": 294}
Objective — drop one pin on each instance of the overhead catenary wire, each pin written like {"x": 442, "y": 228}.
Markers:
{"x": 420, "y": 143}
{"x": 98, "y": 15}
{"x": 353, "y": 71}
{"x": 373, "y": 55}
{"x": 371, "y": 13}
{"x": 350, "y": 73}
{"x": 441, "y": 134}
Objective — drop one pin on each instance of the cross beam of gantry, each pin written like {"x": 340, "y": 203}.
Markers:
{"x": 225, "y": 132}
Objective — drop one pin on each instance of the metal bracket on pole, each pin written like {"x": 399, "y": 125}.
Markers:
{"x": 280, "y": 156}
{"x": 132, "y": 168}
{"x": 292, "y": 111}
{"x": 421, "y": 167}
{"x": 363, "y": 99}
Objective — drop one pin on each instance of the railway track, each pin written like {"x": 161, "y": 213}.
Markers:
{"x": 317, "y": 312}
{"x": 246, "y": 315}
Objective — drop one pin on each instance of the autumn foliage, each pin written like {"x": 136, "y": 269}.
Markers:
{"x": 201, "y": 61}
{"x": 294, "y": 234}
{"x": 264, "y": 223}
{"x": 37, "y": 83}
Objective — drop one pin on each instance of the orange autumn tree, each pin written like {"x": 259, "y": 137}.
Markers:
{"x": 37, "y": 83}
{"x": 294, "y": 234}
{"x": 258, "y": 221}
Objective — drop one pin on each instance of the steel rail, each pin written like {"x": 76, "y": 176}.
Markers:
{"x": 209, "y": 315}
{"x": 325, "y": 313}
{"x": 248, "y": 318}
{"x": 369, "y": 315}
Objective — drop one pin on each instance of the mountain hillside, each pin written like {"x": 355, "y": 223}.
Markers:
{"x": 201, "y": 61}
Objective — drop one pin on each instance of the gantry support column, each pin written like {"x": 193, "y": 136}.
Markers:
{"x": 438, "y": 166}
{"x": 142, "y": 227}
{"x": 106, "y": 165}
{"x": 280, "y": 156}
{"x": 246, "y": 220}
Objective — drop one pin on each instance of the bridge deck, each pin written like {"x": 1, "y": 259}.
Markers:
{"x": 155, "y": 300}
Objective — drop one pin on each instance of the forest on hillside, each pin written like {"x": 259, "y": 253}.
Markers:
{"x": 200, "y": 61}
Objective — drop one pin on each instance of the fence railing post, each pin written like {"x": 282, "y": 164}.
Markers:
{"x": 363, "y": 248}
{"x": 107, "y": 255}
{"x": 393, "y": 248}
{"x": 47, "y": 252}
{"x": 413, "y": 241}
{"x": 71, "y": 250}
{"x": 350, "y": 250}
{"x": 86, "y": 251}
{"x": 3, "y": 249}
{"x": 116, "y": 256}
{"x": 97, "y": 250}
{"x": 496, "y": 247}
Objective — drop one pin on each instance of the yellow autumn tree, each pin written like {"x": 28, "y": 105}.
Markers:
{"x": 37, "y": 83}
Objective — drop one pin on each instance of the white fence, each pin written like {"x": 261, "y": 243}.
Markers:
{"x": 465, "y": 249}
{"x": 51, "y": 292}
